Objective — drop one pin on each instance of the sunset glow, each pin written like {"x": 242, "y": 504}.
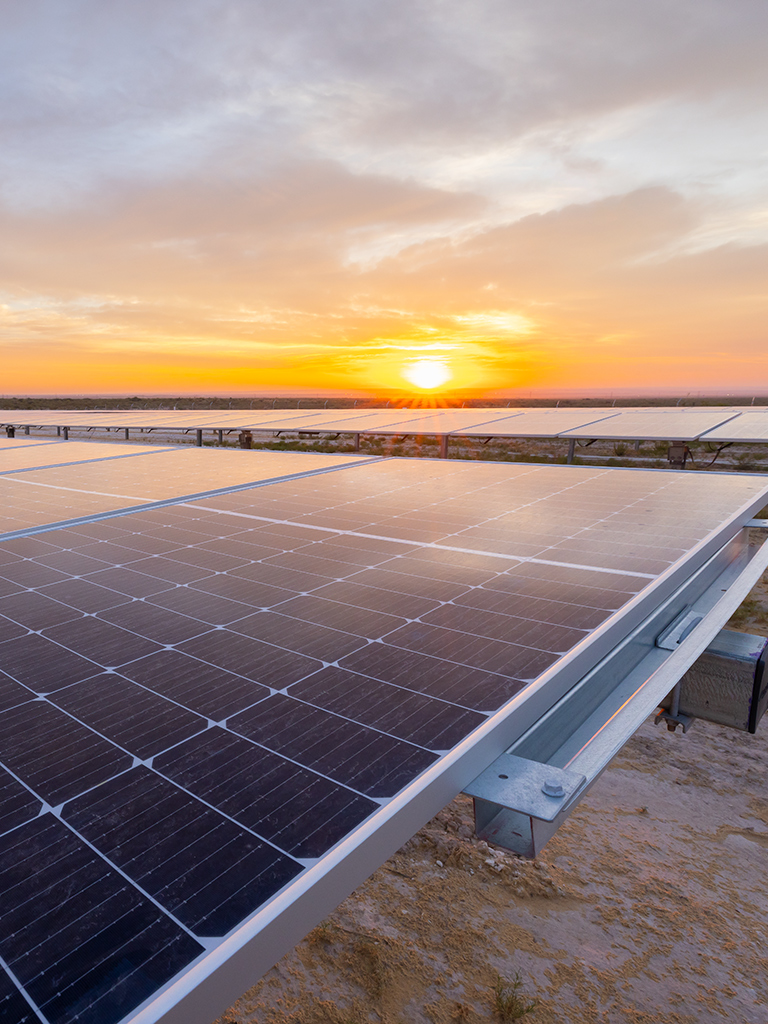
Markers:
{"x": 531, "y": 196}
{"x": 427, "y": 374}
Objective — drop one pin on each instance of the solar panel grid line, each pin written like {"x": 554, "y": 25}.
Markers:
{"x": 287, "y": 692}
{"x": 90, "y": 872}
{"x": 158, "y": 802}
{"x": 60, "y": 811}
{"x": 446, "y": 547}
{"x": 197, "y": 782}
{"x": 111, "y": 864}
{"x": 214, "y": 807}
{"x": 16, "y": 1004}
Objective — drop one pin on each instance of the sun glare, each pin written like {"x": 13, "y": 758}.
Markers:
{"x": 427, "y": 374}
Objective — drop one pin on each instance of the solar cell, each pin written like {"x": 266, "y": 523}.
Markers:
{"x": 280, "y": 679}
{"x": 204, "y": 869}
{"x": 90, "y": 958}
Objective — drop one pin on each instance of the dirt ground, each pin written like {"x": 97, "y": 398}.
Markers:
{"x": 650, "y": 906}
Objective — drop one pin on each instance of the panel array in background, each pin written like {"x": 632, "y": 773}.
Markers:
{"x": 610, "y": 423}
{"x": 655, "y": 425}
{"x": 199, "y": 700}
{"x": 536, "y": 423}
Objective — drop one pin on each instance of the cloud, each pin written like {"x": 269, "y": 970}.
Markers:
{"x": 335, "y": 181}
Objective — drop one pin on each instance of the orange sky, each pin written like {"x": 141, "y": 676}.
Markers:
{"x": 317, "y": 199}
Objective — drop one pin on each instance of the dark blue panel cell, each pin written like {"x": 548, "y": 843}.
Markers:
{"x": 17, "y": 804}
{"x": 361, "y": 621}
{"x": 161, "y": 625}
{"x": 273, "y": 579}
{"x": 207, "y": 871}
{"x": 477, "y": 652}
{"x": 250, "y": 658}
{"x": 30, "y": 547}
{"x": 86, "y": 945}
{"x": 205, "y": 689}
{"x": 14, "y": 1008}
{"x": 35, "y": 611}
{"x": 460, "y": 684}
{"x": 86, "y": 596}
{"x": 102, "y": 642}
{"x": 354, "y": 755}
{"x": 54, "y": 755}
{"x": 148, "y": 545}
{"x": 126, "y": 581}
{"x": 481, "y": 622}
{"x": 127, "y": 714}
{"x": 299, "y": 811}
{"x": 304, "y": 637}
{"x": 237, "y": 587}
{"x": 213, "y": 560}
{"x": 12, "y": 693}
{"x": 410, "y": 716}
{"x": 30, "y": 574}
{"x": 42, "y": 665}
{"x": 10, "y": 630}
{"x": 170, "y": 571}
{"x": 205, "y": 608}
{"x": 73, "y": 562}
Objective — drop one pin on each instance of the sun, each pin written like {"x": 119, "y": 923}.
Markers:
{"x": 427, "y": 374}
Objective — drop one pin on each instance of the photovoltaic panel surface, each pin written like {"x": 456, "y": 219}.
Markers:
{"x": 199, "y": 701}
{"x": 749, "y": 426}
{"x": 65, "y": 453}
{"x": 666, "y": 425}
{"x": 90, "y": 479}
{"x": 535, "y": 423}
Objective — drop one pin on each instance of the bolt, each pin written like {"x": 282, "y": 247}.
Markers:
{"x": 553, "y": 789}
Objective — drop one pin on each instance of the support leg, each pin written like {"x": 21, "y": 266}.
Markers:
{"x": 65, "y": 431}
{"x": 199, "y": 438}
{"x": 357, "y": 442}
{"x": 571, "y": 451}
{"x": 443, "y": 446}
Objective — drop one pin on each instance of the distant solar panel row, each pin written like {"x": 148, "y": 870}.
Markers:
{"x": 199, "y": 700}
{"x": 665, "y": 424}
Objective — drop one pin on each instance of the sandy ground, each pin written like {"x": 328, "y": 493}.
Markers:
{"x": 650, "y": 906}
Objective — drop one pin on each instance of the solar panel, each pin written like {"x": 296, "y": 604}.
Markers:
{"x": 748, "y": 427}
{"x": 615, "y": 424}
{"x": 90, "y": 483}
{"x": 535, "y": 423}
{"x": 655, "y": 425}
{"x": 65, "y": 453}
{"x": 208, "y": 706}
{"x": 19, "y": 443}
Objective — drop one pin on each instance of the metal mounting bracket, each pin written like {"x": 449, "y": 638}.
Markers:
{"x": 519, "y": 802}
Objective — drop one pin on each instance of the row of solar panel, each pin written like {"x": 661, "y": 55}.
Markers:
{"x": 686, "y": 424}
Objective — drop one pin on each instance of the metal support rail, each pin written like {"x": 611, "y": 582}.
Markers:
{"x": 527, "y": 793}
